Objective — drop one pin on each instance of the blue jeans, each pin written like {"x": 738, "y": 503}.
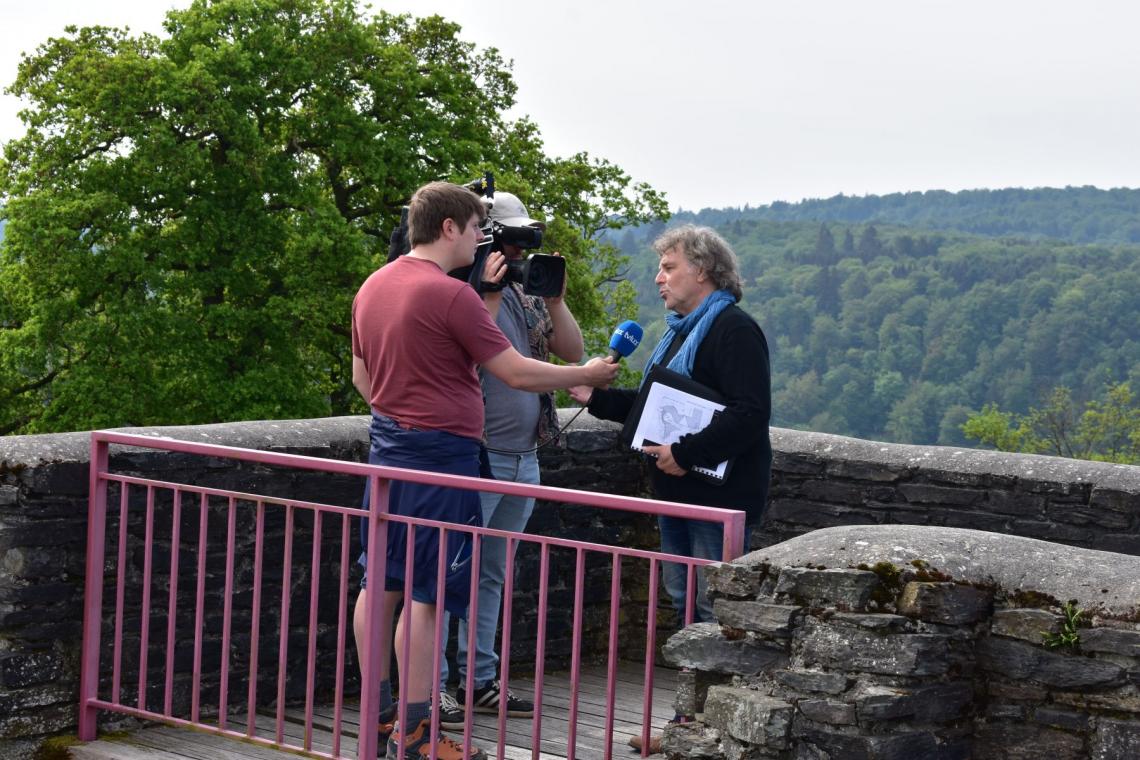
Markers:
{"x": 502, "y": 513}
{"x": 691, "y": 538}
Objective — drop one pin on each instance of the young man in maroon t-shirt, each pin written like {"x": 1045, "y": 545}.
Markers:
{"x": 417, "y": 337}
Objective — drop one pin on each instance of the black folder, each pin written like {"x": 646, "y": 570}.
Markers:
{"x": 671, "y": 405}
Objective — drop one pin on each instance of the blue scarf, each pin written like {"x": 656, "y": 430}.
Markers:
{"x": 693, "y": 327}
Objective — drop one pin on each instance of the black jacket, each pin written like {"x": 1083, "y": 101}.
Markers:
{"x": 732, "y": 360}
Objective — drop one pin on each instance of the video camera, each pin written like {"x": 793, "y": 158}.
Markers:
{"x": 539, "y": 274}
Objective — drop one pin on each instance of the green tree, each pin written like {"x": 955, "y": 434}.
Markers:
{"x": 189, "y": 215}
{"x": 1106, "y": 429}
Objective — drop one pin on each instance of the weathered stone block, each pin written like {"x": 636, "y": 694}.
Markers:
{"x": 1020, "y": 741}
{"x": 25, "y": 699}
{"x": 833, "y": 491}
{"x": 51, "y": 719}
{"x": 1111, "y": 640}
{"x": 20, "y": 670}
{"x": 975, "y": 521}
{"x": 691, "y": 740}
{"x": 878, "y": 472}
{"x": 1025, "y": 624}
{"x": 9, "y": 495}
{"x": 809, "y": 680}
{"x": 1068, "y": 720}
{"x": 921, "y": 493}
{"x": 1051, "y": 531}
{"x": 737, "y": 580}
{"x": 1079, "y": 514}
{"x": 828, "y": 711}
{"x": 1116, "y": 501}
{"x": 882, "y": 622}
{"x": 841, "y": 746}
{"x": 802, "y": 512}
{"x": 692, "y": 689}
{"x": 937, "y": 703}
{"x": 733, "y": 749}
{"x": 845, "y": 589}
{"x": 949, "y": 603}
{"x": 999, "y": 712}
{"x": 903, "y": 654}
{"x": 797, "y": 465}
{"x": 705, "y": 647}
{"x": 769, "y": 619}
{"x": 1117, "y": 700}
{"x": 1121, "y": 543}
{"x": 1116, "y": 739}
{"x": 1021, "y": 691}
{"x": 1065, "y": 671}
{"x": 749, "y": 716}
{"x": 1019, "y": 504}
{"x": 590, "y": 441}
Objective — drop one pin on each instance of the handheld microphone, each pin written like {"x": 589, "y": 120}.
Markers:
{"x": 626, "y": 337}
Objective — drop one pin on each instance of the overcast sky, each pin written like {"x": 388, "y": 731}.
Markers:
{"x": 723, "y": 103}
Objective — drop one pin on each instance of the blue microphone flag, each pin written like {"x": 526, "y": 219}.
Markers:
{"x": 625, "y": 339}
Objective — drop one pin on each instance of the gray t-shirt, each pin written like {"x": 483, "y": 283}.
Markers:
{"x": 512, "y": 415}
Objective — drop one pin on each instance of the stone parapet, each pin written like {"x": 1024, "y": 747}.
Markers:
{"x": 819, "y": 481}
{"x": 965, "y": 645}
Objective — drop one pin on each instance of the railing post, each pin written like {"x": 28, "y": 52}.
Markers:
{"x": 93, "y": 588}
{"x": 733, "y": 537}
{"x": 376, "y": 567}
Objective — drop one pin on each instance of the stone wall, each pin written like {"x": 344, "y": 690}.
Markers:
{"x": 905, "y": 642}
{"x": 821, "y": 481}
{"x": 818, "y": 481}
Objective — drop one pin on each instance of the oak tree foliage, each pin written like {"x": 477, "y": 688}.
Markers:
{"x": 189, "y": 214}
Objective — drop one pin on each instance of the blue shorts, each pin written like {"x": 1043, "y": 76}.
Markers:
{"x": 434, "y": 451}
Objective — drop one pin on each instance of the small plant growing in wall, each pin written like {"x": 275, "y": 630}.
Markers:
{"x": 1069, "y": 636}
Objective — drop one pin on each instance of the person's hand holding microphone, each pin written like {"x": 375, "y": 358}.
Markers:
{"x": 626, "y": 338}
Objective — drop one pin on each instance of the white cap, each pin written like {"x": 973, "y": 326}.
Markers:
{"x": 510, "y": 211}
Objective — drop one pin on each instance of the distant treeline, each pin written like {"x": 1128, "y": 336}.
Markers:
{"x": 1076, "y": 214}
{"x": 899, "y": 334}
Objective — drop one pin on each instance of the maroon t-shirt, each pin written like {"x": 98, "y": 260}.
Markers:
{"x": 421, "y": 335}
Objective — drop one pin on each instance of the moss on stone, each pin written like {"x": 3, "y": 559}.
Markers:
{"x": 56, "y": 748}
{"x": 890, "y": 583}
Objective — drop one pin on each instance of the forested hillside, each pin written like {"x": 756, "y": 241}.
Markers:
{"x": 1076, "y": 214}
{"x": 897, "y": 334}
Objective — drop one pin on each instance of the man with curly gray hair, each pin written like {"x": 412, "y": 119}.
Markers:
{"x": 716, "y": 343}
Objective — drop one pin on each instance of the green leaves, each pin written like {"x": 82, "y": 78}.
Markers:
{"x": 190, "y": 215}
{"x": 1107, "y": 429}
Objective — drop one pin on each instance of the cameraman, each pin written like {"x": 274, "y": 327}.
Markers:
{"x": 417, "y": 336}
{"x": 517, "y": 421}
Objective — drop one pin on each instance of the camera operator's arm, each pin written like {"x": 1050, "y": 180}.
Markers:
{"x": 525, "y": 374}
{"x": 494, "y": 270}
{"x": 566, "y": 341}
{"x": 360, "y": 379}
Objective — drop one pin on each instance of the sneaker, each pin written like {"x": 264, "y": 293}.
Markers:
{"x": 487, "y": 701}
{"x": 450, "y": 712}
{"x": 384, "y": 726}
{"x": 654, "y": 743}
{"x": 418, "y": 746}
{"x": 654, "y": 740}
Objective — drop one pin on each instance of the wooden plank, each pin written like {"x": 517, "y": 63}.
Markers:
{"x": 208, "y": 743}
{"x": 118, "y": 749}
{"x": 176, "y": 743}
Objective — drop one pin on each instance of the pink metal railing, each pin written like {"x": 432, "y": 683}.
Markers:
{"x": 219, "y": 710}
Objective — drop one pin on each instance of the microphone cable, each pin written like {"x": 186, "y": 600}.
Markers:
{"x": 534, "y": 449}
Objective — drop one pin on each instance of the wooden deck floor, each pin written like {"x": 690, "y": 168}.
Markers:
{"x": 169, "y": 743}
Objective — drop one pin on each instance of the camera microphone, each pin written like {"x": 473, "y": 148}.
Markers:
{"x": 626, "y": 337}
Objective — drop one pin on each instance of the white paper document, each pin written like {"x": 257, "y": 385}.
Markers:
{"x": 670, "y": 413}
